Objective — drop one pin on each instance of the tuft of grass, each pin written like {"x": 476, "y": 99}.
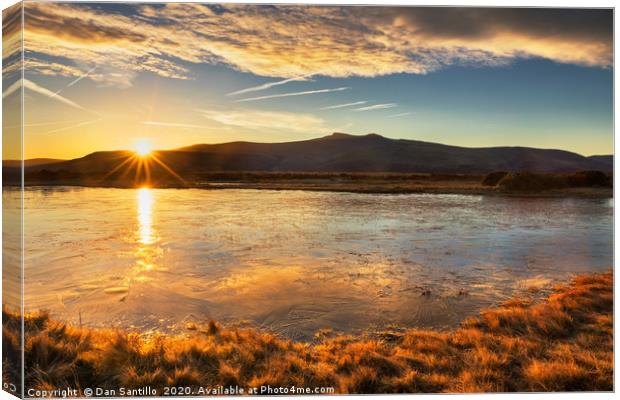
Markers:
{"x": 564, "y": 343}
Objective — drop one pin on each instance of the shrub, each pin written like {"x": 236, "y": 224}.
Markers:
{"x": 493, "y": 178}
{"x": 590, "y": 179}
{"x": 531, "y": 182}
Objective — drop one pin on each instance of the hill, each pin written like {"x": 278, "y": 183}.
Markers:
{"x": 342, "y": 152}
{"x": 33, "y": 162}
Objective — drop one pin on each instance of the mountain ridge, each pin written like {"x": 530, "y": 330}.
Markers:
{"x": 343, "y": 152}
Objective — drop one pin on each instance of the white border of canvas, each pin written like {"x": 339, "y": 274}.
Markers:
{"x": 487, "y": 3}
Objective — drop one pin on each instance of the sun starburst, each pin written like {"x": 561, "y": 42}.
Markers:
{"x": 143, "y": 147}
{"x": 143, "y": 162}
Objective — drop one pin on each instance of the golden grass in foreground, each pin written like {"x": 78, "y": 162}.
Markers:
{"x": 562, "y": 344}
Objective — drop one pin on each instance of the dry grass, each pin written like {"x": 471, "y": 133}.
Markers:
{"x": 590, "y": 184}
{"x": 562, "y": 344}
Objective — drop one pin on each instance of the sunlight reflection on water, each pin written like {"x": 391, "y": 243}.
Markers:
{"x": 147, "y": 250}
{"x": 145, "y": 216}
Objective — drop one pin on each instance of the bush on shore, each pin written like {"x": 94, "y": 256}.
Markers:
{"x": 564, "y": 343}
{"x": 493, "y": 178}
{"x": 590, "y": 179}
{"x": 531, "y": 182}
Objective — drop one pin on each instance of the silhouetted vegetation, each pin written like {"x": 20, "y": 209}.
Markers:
{"x": 590, "y": 183}
{"x": 268, "y": 176}
{"x": 562, "y": 344}
{"x": 493, "y": 178}
{"x": 590, "y": 179}
{"x": 529, "y": 182}
{"x": 47, "y": 175}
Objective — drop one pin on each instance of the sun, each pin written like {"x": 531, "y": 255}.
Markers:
{"x": 143, "y": 147}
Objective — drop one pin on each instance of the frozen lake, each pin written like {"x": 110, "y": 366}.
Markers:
{"x": 294, "y": 262}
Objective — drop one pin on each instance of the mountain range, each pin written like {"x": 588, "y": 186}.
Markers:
{"x": 339, "y": 152}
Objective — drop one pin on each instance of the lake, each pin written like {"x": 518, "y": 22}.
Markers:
{"x": 294, "y": 262}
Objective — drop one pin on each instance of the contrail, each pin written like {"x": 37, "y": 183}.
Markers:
{"x": 270, "y": 85}
{"x": 82, "y": 77}
{"x": 43, "y": 124}
{"x": 76, "y": 80}
{"x": 273, "y": 96}
{"x": 66, "y": 128}
{"x": 45, "y": 92}
{"x": 357, "y": 103}
{"x": 400, "y": 115}
{"x": 376, "y": 107}
{"x": 176, "y": 125}
{"x": 41, "y": 90}
{"x": 12, "y": 89}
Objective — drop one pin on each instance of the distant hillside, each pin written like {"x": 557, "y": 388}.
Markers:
{"x": 338, "y": 152}
{"x": 33, "y": 162}
{"x": 375, "y": 153}
{"x": 607, "y": 160}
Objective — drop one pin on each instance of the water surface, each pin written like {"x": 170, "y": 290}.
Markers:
{"x": 294, "y": 262}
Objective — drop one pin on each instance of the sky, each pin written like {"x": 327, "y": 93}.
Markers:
{"x": 107, "y": 76}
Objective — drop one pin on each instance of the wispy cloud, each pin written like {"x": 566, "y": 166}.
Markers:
{"x": 49, "y": 68}
{"x": 377, "y": 107}
{"x": 63, "y": 122}
{"x": 345, "y": 41}
{"x": 174, "y": 125}
{"x": 90, "y": 71}
{"x": 274, "y": 96}
{"x": 66, "y": 128}
{"x": 261, "y": 120}
{"x": 357, "y": 103}
{"x": 12, "y": 89}
{"x": 269, "y": 85}
{"x": 73, "y": 82}
{"x": 41, "y": 90}
{"x": 46, "y": 92}
{"x": 400, "y": 115}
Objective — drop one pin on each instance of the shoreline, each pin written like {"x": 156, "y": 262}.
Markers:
{"x": 561, "y": 343}
{"x": 467, "y": 188}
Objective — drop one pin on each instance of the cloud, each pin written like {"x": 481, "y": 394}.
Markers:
{"x": 46, "y": 123}
{"x": 377, "y": 107}
{"x": 48, "y": 93}
{"x": 50, "y": 68}
{"x": 41, "y": 90}
{"x": 289, "y": 41}
{"x": 117, "y": 45}
{"x": 11, "y": 32}
{"x": 79, "y": 78}
{"x": 175, "y": 125}
{"x": 75, "y": 81}
{"x": 269, "y": 85}
{"x": 357, "y": 103}
{"x": 78, "y": 125}
{"x": 12, "y": 89}
{"x": 307, "y": 92}
{"x": 400, "y": 115}
{"x": 261, "y": 120}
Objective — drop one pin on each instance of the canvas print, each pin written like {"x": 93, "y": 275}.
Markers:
{"x": 245, "y": 199}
